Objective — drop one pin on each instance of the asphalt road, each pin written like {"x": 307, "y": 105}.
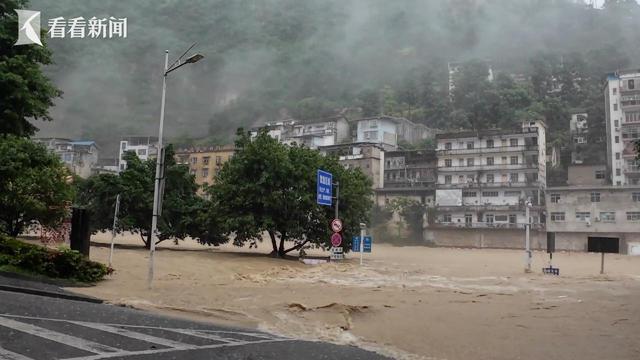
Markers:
{"x": 37, "y": 327}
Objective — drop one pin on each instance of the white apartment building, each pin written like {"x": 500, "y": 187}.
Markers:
{"x": 486, "y": 178}
{"x": 312, "y": 133}
{"x": 622, "y": 107}
{"x": 145, "y": 147}
{"x": 389, "y": 131}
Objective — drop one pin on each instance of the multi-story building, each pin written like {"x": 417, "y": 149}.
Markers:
{"x": 369, "y": 158}
{"x": 81, "y": 157}
{"x": 577, "y": 213}
{"x": 390, "y": 131}
{"x": 323, "y": 132}
{"x": 487, "y": 178}
{"x": 144, "y": 147}
{"x": 408, "y": 174}
{"x": 622, "y": 108}
{"x": 204, "y": 162}
{"x": 278, "y": 130}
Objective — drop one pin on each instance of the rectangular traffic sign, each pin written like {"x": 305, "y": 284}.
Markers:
{"x": 367, "y": 244}
{"x": 355, "y": 244}
{"x": 324, "y": 191}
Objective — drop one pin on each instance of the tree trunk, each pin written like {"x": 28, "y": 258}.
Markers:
{"x": 147, "y": 243}
{"x": 281, "y": 251}
{"x": 272, "y": 235}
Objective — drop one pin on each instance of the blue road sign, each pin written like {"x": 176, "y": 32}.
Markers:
{"x": 324, "y": 191}
{"x": 355, "y": 244}
{"x": 367, "y": 244}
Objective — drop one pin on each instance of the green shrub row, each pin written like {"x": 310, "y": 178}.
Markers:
{"x": 63, "y": 263}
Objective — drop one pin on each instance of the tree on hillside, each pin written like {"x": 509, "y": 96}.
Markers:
{"x": 33, "y": 185}
{"x": 25, "y": 92}
{"x": 181, "y": 207}
{"x": 270, "y": 187}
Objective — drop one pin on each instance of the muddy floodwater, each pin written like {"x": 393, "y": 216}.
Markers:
{"x": 405, "y": 302}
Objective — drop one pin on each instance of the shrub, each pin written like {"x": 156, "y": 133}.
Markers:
{"x": 63, "y": 263}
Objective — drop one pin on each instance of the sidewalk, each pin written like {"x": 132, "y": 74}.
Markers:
{"x": 23, "y": 284}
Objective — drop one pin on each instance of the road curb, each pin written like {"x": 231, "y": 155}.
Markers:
{"x": 66, "y": 296}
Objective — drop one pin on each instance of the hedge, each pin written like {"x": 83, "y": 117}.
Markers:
{"x": 62, "y": 263}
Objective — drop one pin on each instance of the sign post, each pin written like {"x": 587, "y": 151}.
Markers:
{"x": 363, "y": 228}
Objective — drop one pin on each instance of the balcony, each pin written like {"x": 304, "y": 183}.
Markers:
{"x": 476, "y": 185}
{"x": 407, "y": 184}
{"x": 632, "y": 170}
{"x": 489, "y": 150}
{"x": 489, "y": 207}
{"x": 481, "y": 167}
{"x": 485, "y": 225}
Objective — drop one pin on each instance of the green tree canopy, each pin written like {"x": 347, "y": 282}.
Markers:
{"x": 25, "y": 92}
{"x": 181, "y": 207}
{"x": 33, "y": 185}
{"x": 271, "y": 187}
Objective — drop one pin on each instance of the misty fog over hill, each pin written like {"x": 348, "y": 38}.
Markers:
{"x": 302, "y": 57}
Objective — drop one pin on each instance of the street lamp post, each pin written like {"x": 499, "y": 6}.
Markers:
{"x": 527, "y": 225}
{"x": 157, "y": 194}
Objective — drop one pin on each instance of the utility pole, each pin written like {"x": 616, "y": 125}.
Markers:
{"x": 113, "y": 231}
{"x": 527, "y": 225}
{"x": 337, "y": 199}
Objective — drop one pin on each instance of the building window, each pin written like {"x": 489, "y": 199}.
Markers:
{"x": 607, "y": 216}
{"x": 635, "y": 196}
{"x": 447, "y": 146}
{"x": 616, "y": 123}
{"x": 618, "y": 173}
{"x": 468, "y": 219}
{"x": 503, "y": 142}
{"x": 513, "y": 219}
{"x": 470, "y": 162}
{"x": 513, "y": 142}
{"x": 471, "y": 178}
{"x": 595, "y": 197}
{"x": 460, "y": 179}
{"x": 205, "y": 173}
{"x": 468, "y": 194}
{"x": 490, "y": 193}
{"x": 615, "y": 91}
{"x": 447, "y": 179}
{"x": 194, "y": 160}
{"x": 615, "y": 107}
{"x": 142, "y": 151}
{"x": 534, "y": 176}
{"x": 633, "y": 215}
{"x": 583, "y": 216}
{"x": 501, "y": 218}
{"x": 557, "y": 216}
{"x": 503, "y": 160}
{"x": 490, "y": 178}
{"x": 460, "y": 162}
{"x": 489, "y": 161}
{"x": 470, "y": 145}
{"x": 447, "y": 162}
{"x": 373, "y": 124}
{"x": 489, "y": 219}
{"x": 512, "y": 193}
{"x": 513, "y": 177}
{"x": 514, "y": 160}
{"x": 600, "y": 174}
{"x": 555, "y": 198}
{"x": 218, "y": 160}
{"x": 446, "y": 218}
{"x": 631, "y": 84}
{"x": 617, "y": 139}
{"x": 489, "y": 143}
{"x": 205, "y": 160}
{"x": 617, "y": 156}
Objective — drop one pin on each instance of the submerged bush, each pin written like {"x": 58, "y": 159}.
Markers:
{"x": 63, "y": 263}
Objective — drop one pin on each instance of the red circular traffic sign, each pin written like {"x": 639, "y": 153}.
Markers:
{"x": 336, "y": 225}
{"x": 336, "y": 239}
